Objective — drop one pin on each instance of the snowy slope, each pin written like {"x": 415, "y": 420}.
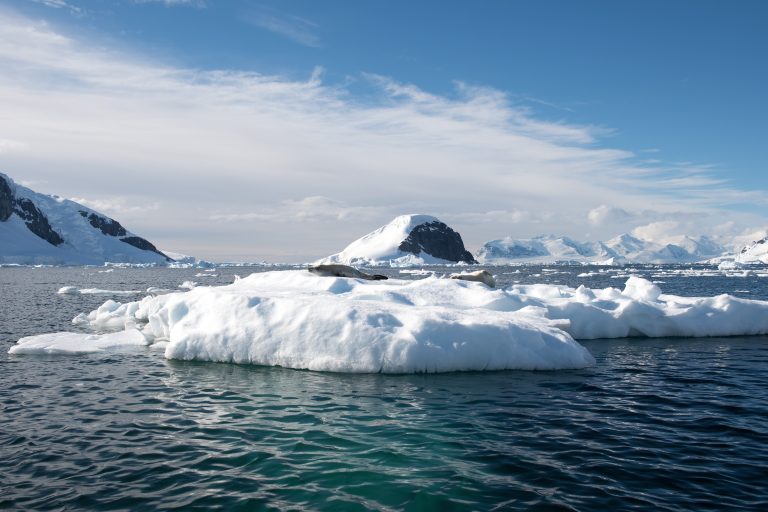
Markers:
{"x": 42, "y": 229}
{"x": 756, "y": 252}
{"x": 621, "y": 249}
{"x": 542, "y": 248}
{"x": 397, "y": 244}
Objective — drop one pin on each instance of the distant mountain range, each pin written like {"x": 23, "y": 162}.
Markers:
{"x": 42, "y": 229}
{"x": 423, "y": 239}
{"x": 621, "y": 249}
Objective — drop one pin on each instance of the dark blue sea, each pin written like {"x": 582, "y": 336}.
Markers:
{"x": 657, "y": 424}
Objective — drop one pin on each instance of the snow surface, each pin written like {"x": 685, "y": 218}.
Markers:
{"x": 621, "y": 249}
{"x": 73, "y": 290}
{"x": 83, "y": 244}
{"x": 78, "y": 343}
{"x": 380, "y": 247}
{"x": 299, "y": 320}
{"x": 756, "y": 252}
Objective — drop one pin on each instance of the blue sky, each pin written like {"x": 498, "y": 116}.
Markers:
{"x": 675, "y": 88}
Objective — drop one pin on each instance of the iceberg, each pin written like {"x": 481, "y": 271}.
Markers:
{"x": 299, "y": 320}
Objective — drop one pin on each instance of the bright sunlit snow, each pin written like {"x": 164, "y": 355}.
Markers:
{"x": 299, "y": 320}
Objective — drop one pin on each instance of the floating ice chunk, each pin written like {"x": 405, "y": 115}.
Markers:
{"x": 642, "y": 310}
{"x": 299, "y": 320}
{"x": 641, "y": 289}
{"x": 77, "y": 343}
{"x": 73, "y": 290}
{"x": 188, "y": 285}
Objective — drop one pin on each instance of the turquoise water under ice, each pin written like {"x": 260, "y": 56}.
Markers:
{"x": 666, "y": 424}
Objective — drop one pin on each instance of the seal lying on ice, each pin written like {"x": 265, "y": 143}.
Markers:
{"x": 481, "y": 276}
{"x": 336, "y": 270}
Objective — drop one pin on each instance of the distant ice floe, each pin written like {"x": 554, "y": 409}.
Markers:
{"x": 78, "y": 343}
{"x": 73, "y": 290}
{"x": 297, "y": 320}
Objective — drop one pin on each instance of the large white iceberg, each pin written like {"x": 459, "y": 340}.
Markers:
{"x": 299, "y": 320}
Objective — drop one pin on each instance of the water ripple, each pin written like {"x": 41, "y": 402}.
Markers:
{"x": 657, "y": 424}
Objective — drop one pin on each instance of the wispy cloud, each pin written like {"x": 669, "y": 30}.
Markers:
{"x": 297, "y": 168}
{"x": 118, "y": 206}
{"x": 295, "y": 28}
{"x": 60, "y": 4}
{"x": 309, "y": 209}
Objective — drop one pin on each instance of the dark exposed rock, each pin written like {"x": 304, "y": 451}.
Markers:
{"x": 142, "y": 244}
{"x": 37, "y": 222}
{"x": 111, "y": 227}
{"x": 34, "y": 219}
{"x": 6, "y": 200}
{"x": 758, "y": 242}
{"x": 438, "y": 240}
{"x": 106, "y": 225}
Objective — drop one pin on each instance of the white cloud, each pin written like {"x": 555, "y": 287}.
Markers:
{"x": 309, "y": 209}
{"x": 121, "y": 207}
{"x": 8, "y": 145}
{"x": 606, "y": 214}
{"x": 223, "y": 154}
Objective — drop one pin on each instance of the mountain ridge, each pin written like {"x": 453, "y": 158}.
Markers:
{"x": 38, "y": 228}
{"x": 623, "y": 248}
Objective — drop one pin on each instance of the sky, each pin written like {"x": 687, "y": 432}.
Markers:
{"x": 283, "y": 130}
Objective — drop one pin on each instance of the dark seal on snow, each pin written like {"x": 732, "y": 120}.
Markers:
{"x": 343, "y": 271}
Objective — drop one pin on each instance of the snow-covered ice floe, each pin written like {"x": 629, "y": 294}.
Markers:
{"x": 299, "y": 320}
{"x": 73, "y": 290}
{"x": 79, "y": 343}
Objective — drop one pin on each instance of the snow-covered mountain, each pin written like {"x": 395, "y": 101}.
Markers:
{"x": 407, "y": 240}
{"x": 42, "y": 229}
{"x": 756, "y": 252}
{"x": 621, "y": 249}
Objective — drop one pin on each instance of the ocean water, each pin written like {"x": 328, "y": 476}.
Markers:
{"x": 662, "y": 424}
